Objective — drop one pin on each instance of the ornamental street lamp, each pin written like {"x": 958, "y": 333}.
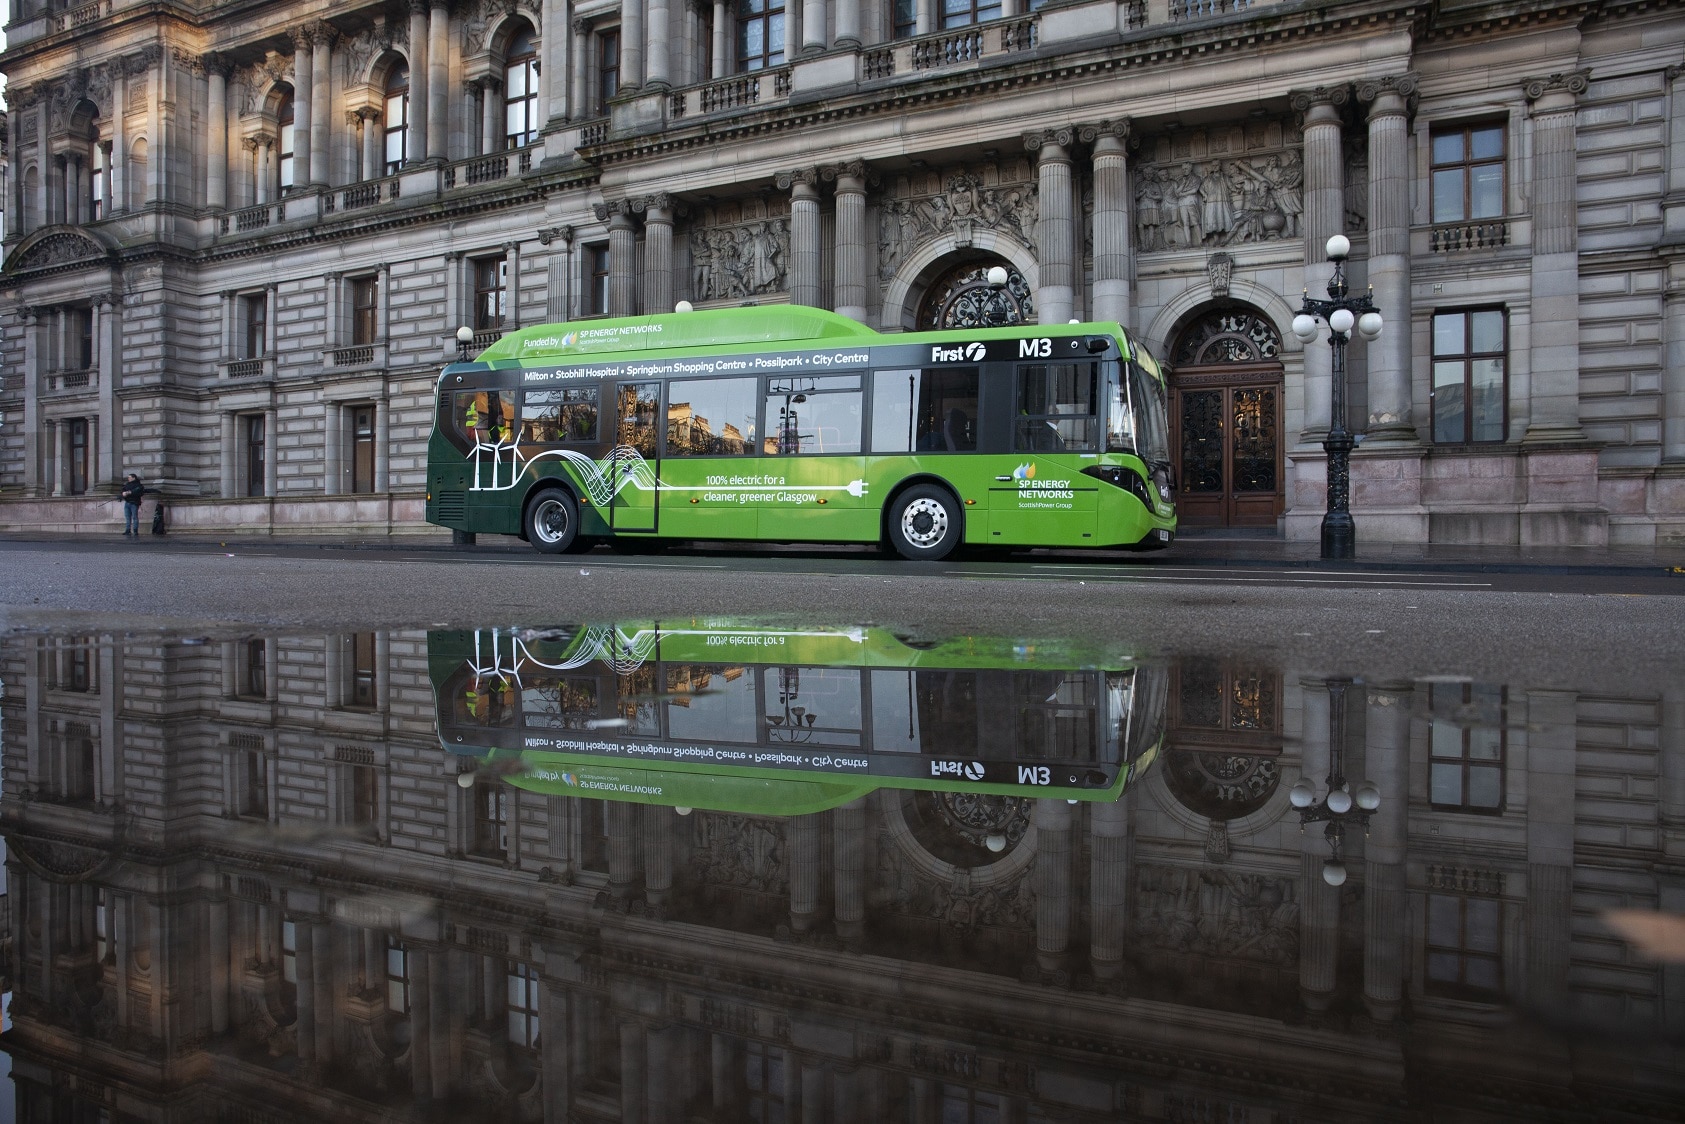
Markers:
{"x": 1342, "y": 312}
{"x": 1341, "y": 804}
{"x": 464, "y": 340}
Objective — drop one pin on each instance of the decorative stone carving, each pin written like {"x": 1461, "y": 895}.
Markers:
{"x": 60, "y": 247}
{"x": 962, "y": 904}
{"x": 963, "y": 206}
{"x": 1574, "y": 82}
{"x": 733, "y": 262}
{"x": 1218, "y": 912}
{"x": 481, "y": 19}
{"x": 1219, "y": 267}
{"x": 737, "y": 851}
{"x": 1180, "y": 206}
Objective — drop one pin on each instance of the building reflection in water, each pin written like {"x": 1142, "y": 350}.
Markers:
{"x": 263, "y": 880}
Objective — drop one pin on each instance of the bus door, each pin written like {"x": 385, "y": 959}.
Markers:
{"x": 635, "y": 462}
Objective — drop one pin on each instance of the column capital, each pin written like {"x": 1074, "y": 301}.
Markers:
{"x": 419, "y": 7}
{"x": 323, "y": 33}
{"x": 581, "y": 25}
{"x": 855, "y": 169}
{"x": 612, "y": 209}
{"x": 648, "y": 204}
{"x": 302, "y": 36}
{"x": 1060, "y": 137}
{"x": 1117, "y": 129}
{"x": 806, "y": 177}
{"x": 186, "y": 60}
{"x": 548, "y": 234}
{"x": 1376, "y": 91}
{"x": 1568, "y": 86}
{"x": 1674, "y": 72}
{"x": 217, "y": 64}
{"x": 1318, "y": 97}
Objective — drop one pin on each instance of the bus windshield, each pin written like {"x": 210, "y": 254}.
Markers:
{"x": 1136, "y": 421}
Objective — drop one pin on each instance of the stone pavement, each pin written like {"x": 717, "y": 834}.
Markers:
{"x": 1197, "y": 547}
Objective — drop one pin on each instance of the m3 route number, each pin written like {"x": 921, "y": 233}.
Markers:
{"x": 1035, "y": 349}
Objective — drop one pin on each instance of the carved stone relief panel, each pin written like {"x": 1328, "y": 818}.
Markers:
{"x": 1218, "y": 912}
{"x": 740, "y": 250}
{"x": 1219, "y": 186}
{"x": 957, "y": 202}
{"x": 740, "y": 852}
{"x": 963, "y": 904}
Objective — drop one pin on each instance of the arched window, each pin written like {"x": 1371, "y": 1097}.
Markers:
{"x": 284, "y": 149}
{"x": 397, "y": 118}
{"x": 760, "y": 34}
{"x": 520, "y": 92}
{"x": 963, "y": 298}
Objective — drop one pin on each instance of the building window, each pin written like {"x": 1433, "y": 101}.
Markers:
{"x": 362, "y": 450}
{"x": 491, "y": 819}
{"x": 254, "y": 669}
{"x": 365, "y": 310}
{"x": 102, "y": 926}
{"x": 397, "y": 118}
{"x": 596, "y": 280}
{"x": 523, "y": 1007}
{"x": 1470, "y": 393}
{"x": 904, "y": 16}
{"x": 1464, "y": 956}
{"x": 1468, "y": 173}
{"x": 284, "y": 147}
{"x": 763, "y": 1081}
{"x": 76, "y": 755}
{"x": 520, "y": 93}
{"x": 964, "y": 13}
{"x": 81, "y": 340}
{"x": 256, "y": 308}
{"x": 1469, "y": 739}
{"x": 256, "y": 463}
{"x": 361, "y": 675}
{"x": 365, "y": 797}
{"x": 491, "y": 288}
{"x": 289, "y": 953}
{"x": 397, "y": 977}
{"x": 254, "y": 791}
{"x": 608, "y": 68}
{"x": 760, "y": 34}
{"x": 76, "y": 454}
{"x": 96, "y": 185}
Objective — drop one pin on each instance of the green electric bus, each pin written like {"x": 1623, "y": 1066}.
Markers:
{"x": 731, "y": 717}
{"x": 793, "y": 424}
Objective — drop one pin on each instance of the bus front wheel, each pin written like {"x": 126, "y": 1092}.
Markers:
{"x": 925, "y": 523}
{"x": 552, "y": 521}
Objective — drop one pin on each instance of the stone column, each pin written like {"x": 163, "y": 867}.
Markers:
{"x": 269, "y": 468}
{"x": 632, "y": 25}
{"x": 658, "y": 253}
{"x": 848, "y": 863}
{"x": 848, "y": 23}
{"x": 1385, "y": 905}
{"x": 216, "y": 937}
{"x": 850, "y": 256}
{"x": 1111, "y": 219}
{"x": 802, "y": 184}
{"x": 321, "y": 105}
{"x": 305, "y": 995}
{"x": 1389, "y": 258}
{"x": 1553, "y": 414}
{"x": 622, "y": 251}
{"x": 61, "y": 457}
{"x": 580, "y": 106}
{"x": 657, "y": 34}
{"x": 634, "y": 1068}
{"x": 1319, "y": 903}
{"x": 1056, "y": 230}
{"x": 620, "y": 825}
{"x": 1052, "y": 880}
{"x": 319, "y": 934}
{"x": 804, "y": 872}
{"x": 304, "y": 88}
{"x": 719, "y": 53}
{"x": 1673, "y": 363}
{"x": 1552, "y": 744}
{"x": 1108, "y": 887}
{"x": 438, "y": 81}
{"x": 554, "y": 1070}
{"x": 230, "y": 453}
{"x": 216, "y": 136}
{"x": 374, "y": 159}
{"x": 421, "y": 1021}
{"x": 658, "y": 853}
{"x": 418, "y": 148}
{"x": 34, "y": 437}
{"x": 1324, "y": 217}
{"x": 924, "y": 17}
{"x": 492, "y": 121}
{"x": 108, "y": 342}
{"x": 118, "y": 200}
{"x": 813, "y": 26}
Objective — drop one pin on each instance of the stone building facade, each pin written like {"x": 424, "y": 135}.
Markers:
{"x": 245, "y": 882}
{"x": 244, "y": 238}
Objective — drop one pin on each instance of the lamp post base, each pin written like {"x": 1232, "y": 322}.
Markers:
{"x": 1339, "y": 532}
{"x": 1339, "y": 535}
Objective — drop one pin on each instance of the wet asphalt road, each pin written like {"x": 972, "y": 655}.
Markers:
{"x": 1582, "y": 632}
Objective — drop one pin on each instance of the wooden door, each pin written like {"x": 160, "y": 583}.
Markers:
{"x": 1228, "y": 447}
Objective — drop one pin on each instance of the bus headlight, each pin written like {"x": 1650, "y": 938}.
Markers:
{"x": 1120, "y": 477}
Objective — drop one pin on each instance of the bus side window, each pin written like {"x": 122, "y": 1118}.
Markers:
{"x": 1057, "y": 408}
{"x": 550, "y": 417}
{"x": 469, "y": 415}
{"x": 929, "y": 411}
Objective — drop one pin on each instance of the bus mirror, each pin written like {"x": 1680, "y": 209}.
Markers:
{"x": 1097, "y": 344}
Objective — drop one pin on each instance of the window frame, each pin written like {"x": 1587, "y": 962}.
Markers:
{"x": 1460, "y": 988}
{"x": 525, "y": 64}
{"x": 362, "y": 441}
{"x": 773, "y": 14}
{"x": 365, "y": 310}
{"x": 1467, "y": 162}
{"x": 254, "y": 316}
{"x": 594, "y": 264}
{"x": 253, "y": 440}
{"x": 397, "y": 87}
{"x": 1468, "y": 357}
{"x": 977, "y": 12}
{"x": 1463, "y": 761}
{"x": 286, "y": 143}
{"x": 491, "y": 292}
{"x": 606, "y": 75}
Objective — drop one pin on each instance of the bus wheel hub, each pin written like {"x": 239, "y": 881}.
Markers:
{"x": 924, "y": 522}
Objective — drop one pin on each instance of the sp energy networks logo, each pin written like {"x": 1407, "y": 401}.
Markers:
{"x": 967, "y": 353}
{"x": 1026, "y": 471}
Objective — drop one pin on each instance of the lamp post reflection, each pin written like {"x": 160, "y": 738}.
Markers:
{"x": 1339, "y": 804}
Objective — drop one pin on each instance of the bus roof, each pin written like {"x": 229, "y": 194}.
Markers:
{"x": 784, "y": 323}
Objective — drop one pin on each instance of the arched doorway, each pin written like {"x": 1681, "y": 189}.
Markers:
{"x": 1226, "y": 420}
{"x": 963, "y": 298}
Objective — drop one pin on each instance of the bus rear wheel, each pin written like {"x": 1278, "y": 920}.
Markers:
{"x": 925, "y": 523}
{"x": 552, "y": 521}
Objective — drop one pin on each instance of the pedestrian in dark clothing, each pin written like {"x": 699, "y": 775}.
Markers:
{"x": 131, "y": 493}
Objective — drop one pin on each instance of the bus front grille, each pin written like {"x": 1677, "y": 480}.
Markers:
{"x": 451, "y": 507}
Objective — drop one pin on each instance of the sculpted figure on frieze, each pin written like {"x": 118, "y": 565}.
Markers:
{"x": 1002, "y": 199}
